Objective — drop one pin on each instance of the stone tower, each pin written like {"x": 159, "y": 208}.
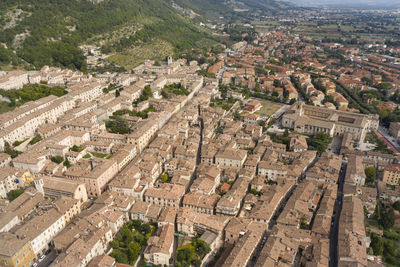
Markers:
{"x": 169, "y": 60}
{"x": 39, "y": 185}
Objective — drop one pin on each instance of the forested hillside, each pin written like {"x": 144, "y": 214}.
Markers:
{"x": 34, "y": 33}
{"x": 48, "y": 32}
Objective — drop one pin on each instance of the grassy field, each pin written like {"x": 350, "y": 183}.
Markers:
{"x": 268, "y": 108}
{"x": 133, "y": 57}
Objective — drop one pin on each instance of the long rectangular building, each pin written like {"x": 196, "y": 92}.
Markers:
{"x": 312, "y": 120}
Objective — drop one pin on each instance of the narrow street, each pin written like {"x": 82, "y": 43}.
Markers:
{"x": 388, "y": 139}
{"x": 48, "y": 259}
{"x": 198, "y": 161}
{"x": 333, "y": 248}
{"x": 278, "y": 212}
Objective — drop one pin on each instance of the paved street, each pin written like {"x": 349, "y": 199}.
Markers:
{"x": 48, "y": 259}
{"x": 385, "y": 133}
{"x": 335, "y": 226}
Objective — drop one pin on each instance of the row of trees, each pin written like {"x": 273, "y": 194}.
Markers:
{"x": 31, "y": 92}
{"x": 142, "y": 114}
{"x": 299, "y": 88}
{"x": 146, "y": 94}
{"x": 386, "y": 245}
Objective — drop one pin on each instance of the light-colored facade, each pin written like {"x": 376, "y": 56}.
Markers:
{"x": 143, "y": 134}
{"x": 42, "y": 229}
{"x": 160, "y": 247}
{"x": 231, "y": 158}
{"x": 394, "y": 129}
{"x": 166, "y": 195}
{"x": 391, "y": 174}
{"x": 15, "y": 251}
{"x": 26, "y": 126}
{"x": 55, "y": 187}
{"x": 312, "y": 120}
{"x": 94, "y": 173}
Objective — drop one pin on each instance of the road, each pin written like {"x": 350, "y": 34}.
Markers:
{"x": 336, "y": 144}
{"x": 278, "y": 114}
{"x": 333, "y": 248}
{"x": 389, "y": 139}
{"x": 48, "y": 259}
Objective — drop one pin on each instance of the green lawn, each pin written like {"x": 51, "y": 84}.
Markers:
{"x": 4, "y": 107}
{"x": 98, "y": 155}
{"x": 268, "y": 108}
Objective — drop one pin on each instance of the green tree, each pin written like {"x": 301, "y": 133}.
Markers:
{"x": 196, "y": 262}
{"x": 164, "y": 177}
{"x": 319, "y": 142}
{"x": 127, "y": 235}
{"x": 376, "y": 244}
{"x": 236, "y": 115}
{"x": 145, "y": 228}
{"x": 202, "y": 248}
{"x": 285, "y": 95}
{"x": 13, "y": 194}
{"x": 67, "y": 163}
{"x": 57, "y": 159}
{"x": 136, "y": 224}
{"x": 278, "y": 83}
{"x": 303, "y": 223}
{"x": 119, "y": 256}
{"x": 390, "y": 254}
{"x": 367, "y": 81}
{"x": 139, "y": 238}
{"x": 387, "y": 219}
{"x": 114, "y": 244}
{"x": 133, "y": 251}
{"x": 185, "y": 255}
{"x": 370, "y": 172}
{"x": 396, "y": 205}
{"x": 5, "y": 55}
{"x": 8, "y": 150}
{"x": 118, "y": 125}
{"x": 76, "y": 148}
{"x": 35, "y": 139}
{"x": 146, "y": 94}
{"x": 384, "y": 215}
